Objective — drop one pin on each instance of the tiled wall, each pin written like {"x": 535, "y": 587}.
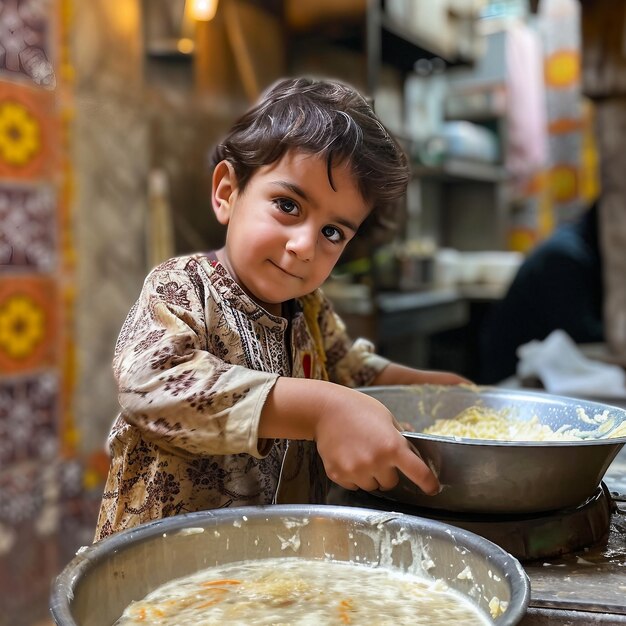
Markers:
{"x": 41, "y": 504}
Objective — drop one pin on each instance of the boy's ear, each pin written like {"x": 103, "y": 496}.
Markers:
{"x": 223, "y": 192}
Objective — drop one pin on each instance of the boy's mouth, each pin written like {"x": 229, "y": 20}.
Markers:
{"x": 284, "y": 271}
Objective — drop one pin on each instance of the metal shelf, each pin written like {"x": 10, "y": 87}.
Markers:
{"x": 463, "y": 170}
{"x": 401, "y": 48}
{"x": 390, "y": 43}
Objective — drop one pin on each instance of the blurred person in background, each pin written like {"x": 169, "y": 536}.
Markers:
{"x": 558, "y": 286}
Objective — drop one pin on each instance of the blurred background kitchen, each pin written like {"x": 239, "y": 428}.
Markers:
{"x": 513, "y": 113}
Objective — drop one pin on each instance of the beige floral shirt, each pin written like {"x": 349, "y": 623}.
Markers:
{"x": 195, "y": 361}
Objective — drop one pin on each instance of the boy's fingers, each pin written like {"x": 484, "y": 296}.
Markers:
{"x": 412, "y": 466}
{"x": 388, "y": 479}
{"x": 366, "y": 484}
{"x": 370, "y": 484}
{"x": 346, "y": 484}
{"x": 402, "y": 425}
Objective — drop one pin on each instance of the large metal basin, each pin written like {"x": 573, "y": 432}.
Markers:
{"x": 484, "y": 476}
{"x": 97, "y": 585}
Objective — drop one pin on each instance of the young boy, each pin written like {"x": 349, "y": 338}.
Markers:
{"x": 235, "y": 375}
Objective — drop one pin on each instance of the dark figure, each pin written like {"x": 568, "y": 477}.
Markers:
{"x": 559, "y": 285}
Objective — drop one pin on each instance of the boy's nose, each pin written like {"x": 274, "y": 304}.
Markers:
{"x": 302, "y": 243}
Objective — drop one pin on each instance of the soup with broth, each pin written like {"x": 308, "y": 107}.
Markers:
{"x": 283, "y": 591}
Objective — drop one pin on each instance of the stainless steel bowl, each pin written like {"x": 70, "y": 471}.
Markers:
{"x": 98, "y": 584}
{"x": 484, "y": 476}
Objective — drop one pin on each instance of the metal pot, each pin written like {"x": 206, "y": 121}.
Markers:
{"x": 485, "y": 476}
{"x": 100, "y": 582}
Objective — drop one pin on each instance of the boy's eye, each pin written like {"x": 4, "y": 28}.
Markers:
{"x": 287, "y": 206}
{"x": 332, "y": 234}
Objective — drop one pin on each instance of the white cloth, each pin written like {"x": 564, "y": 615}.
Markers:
{"x": 564, "y": 370}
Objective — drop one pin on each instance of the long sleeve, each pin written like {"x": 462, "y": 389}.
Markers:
{"x": 177, "y": 371}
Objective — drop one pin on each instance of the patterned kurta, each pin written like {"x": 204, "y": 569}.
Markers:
{"x": 195, "y": 361}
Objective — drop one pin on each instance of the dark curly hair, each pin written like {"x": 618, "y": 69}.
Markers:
{"x": 323, "y": 117}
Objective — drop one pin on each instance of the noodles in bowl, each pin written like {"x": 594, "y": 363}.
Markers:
{"x": 481, "y": 422}
{"x": 503, "y": 451}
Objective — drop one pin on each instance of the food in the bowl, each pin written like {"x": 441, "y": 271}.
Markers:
{"x": 481, "y": 422}
{"x": 304, "y": 591}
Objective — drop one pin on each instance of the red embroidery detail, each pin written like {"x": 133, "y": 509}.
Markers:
{"x": 306, "y": 365}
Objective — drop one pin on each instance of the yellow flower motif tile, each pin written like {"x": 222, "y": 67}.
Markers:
{"x": 28, "y": 314}
{"x": 20, "y": 134}
{"x": 29, "y": 136}
{"x": 22, "y": 326}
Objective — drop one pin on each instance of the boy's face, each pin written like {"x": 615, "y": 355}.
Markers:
{"x": 288, "y": 228}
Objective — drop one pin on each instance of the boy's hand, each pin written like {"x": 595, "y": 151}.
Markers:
{"x": 361, "y": 447}
{"x": 356, "y": 435}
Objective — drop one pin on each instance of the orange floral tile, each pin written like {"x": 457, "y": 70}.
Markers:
{"x": 28, "y": 323}
{"x": 28, "y": 132}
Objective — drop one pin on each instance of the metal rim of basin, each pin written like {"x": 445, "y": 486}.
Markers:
{"x": 65, "y": 583}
